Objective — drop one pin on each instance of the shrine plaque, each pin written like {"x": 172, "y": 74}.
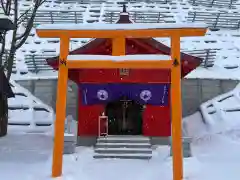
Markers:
{"x": 124, "y": 72}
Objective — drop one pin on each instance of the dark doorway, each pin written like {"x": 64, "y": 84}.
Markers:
{"x": 125, "y": 117}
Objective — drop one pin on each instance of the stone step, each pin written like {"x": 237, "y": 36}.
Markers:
{"x": 126, "y": 137}
{"x": 123, "y": 151}
{"x": 123, "y": 156}
{"x": 123, "y": 145}
{"x": 123, "y": 139}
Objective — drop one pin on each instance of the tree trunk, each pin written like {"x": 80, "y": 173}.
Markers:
{"x": 3, "y": 115}
{"x": 10, "y": 63}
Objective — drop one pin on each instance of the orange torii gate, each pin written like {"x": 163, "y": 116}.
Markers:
{"x": 118, "y": 33}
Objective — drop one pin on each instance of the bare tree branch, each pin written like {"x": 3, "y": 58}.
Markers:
{"x": 6, "y": 6}
{"x": 20, "y": 21}
{"x": 24, "y": 14}
{"x": 13, "y": 49}
{"x": 29, "y": 26}
{"x": 21, "y": 36}
{"x": 11, "y": 7}
{"x": 27, "y": 30}
{"x": 3, "y": 37}
{"x": 3, "y": 7}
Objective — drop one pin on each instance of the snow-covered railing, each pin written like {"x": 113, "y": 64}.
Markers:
{"x": 37, "y": 62}
{"x": 207, "y": 55}
{"x": 148, "y": 11}
{"x": 84, "y": 1}
{"x": 231, "y": 4}
{"x": 76, "y": 15}
{"x": 97, "y": 11}
{"x": 216, "y": 19}
{"x": 142, "y": 16}
{"x": 58, "y": 16}
{"x": 107, "y": 1}
{"x": 149, "y": 1}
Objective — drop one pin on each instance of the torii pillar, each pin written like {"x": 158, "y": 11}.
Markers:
{"x": 118, "y": 33}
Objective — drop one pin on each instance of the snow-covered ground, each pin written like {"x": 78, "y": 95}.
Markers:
{"x": 25, "y": 153}
{"x": 28, "y": 157}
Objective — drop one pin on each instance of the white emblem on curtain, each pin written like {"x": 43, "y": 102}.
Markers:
{"x": 102, "y": 95}
{"x": 146, "y": 95}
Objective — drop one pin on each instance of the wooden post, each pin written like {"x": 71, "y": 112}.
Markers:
{"x": 60, "y": 108}
{"x": 54, "y": 95}
{"x": 118, "y": 46}
{"x": 176, "y": 109}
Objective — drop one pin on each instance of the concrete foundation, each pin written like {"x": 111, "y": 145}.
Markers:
{"x": 86, "y": 140}
{"x": 69, "y": 143}
{"x": 159, "y": 140}
{"x": 46, "y": 91}
{"x": 197, "y": 91}
{"x": 186, "y": 144}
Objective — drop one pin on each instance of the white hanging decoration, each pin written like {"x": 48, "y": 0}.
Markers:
{"x": 146, "y": 95}
{"x": 102, "y": 95}
{"x": 164, "y": 94}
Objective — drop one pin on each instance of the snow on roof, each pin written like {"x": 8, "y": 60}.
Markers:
{"x": 136, "y": 26}
{"x": 27, "y": 112}
{"x": 224, "y": 40}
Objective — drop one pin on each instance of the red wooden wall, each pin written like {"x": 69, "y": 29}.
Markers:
{"x": 156, "y": 119}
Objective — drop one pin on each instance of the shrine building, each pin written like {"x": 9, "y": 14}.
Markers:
{"x": 136, "y": 101}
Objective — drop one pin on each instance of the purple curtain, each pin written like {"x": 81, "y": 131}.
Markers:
{"x": 154, "y": 94}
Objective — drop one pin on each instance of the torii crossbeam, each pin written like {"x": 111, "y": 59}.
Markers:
{"x": 118, "y": 33}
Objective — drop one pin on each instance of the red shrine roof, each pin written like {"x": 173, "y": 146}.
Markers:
{"x": 133, "y": 46}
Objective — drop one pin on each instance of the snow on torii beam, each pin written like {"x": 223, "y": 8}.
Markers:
{"x": 139, "y": 30}
{"x": 118, "y": 33}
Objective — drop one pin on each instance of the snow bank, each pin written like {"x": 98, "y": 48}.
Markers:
{"x": 220, "y": 115}
{"x": 223, "y": 112}
{"x": 28, "y": 113}
{"x": 194, "y": 126}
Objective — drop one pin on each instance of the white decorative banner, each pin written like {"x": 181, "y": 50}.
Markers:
{"x": 165, "y": 92}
